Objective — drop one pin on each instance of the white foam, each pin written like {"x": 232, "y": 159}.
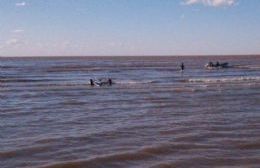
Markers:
{"x": 132, "y": 82}
{"x": 255, "y": 67}
{"x": 226, "y": 79}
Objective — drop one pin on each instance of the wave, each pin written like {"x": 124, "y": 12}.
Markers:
{"x": 25, "y": 80}
{"x": 67, "y": 82}
{"x": 139, "y": 155}
{"x": 246, "y": 66}
{"x": 226, "y": 79}
{"x": 132, "y": 82}
{"x": 23, "y": 151}
{"x": 222, "y": 162}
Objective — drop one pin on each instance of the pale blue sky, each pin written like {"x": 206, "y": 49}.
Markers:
{"x": 129, "y": 27}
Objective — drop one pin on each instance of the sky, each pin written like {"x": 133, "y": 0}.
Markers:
{"x": 129, "y": 27}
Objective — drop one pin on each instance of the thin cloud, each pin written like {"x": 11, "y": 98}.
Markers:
{"x": 214, "y": 3}
{"x": 18, "y": 31}
{"x": 20, "y": 4}
{"x": 13, "y": 41}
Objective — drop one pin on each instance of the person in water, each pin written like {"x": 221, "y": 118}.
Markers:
{"x": 182, "y": 66}
{"x": 109, "y": 82}
{"x": 92, "y": 82}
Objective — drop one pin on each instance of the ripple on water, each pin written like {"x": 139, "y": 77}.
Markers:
{"x": 154, "y": 116}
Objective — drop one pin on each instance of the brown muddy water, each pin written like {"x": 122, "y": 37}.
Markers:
{"x": 154, "y": 116}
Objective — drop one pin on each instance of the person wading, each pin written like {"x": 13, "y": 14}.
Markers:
{"x": 182, "y": 66}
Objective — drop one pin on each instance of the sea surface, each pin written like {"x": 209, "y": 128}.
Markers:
{"x": 153, "y": 116}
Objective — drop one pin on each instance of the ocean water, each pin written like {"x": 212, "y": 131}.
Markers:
{"x": 154, "y": 116}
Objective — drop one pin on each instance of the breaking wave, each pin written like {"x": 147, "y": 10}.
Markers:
{"x": 132, "y": 82}
{"x": 226, "y": 79}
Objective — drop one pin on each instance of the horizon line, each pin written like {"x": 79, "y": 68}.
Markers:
{"x": 185, "y": 55}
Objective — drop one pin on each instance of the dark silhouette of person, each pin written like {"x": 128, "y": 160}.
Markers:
{"x": 92, "y": 82}
{"x": 182, "y": 66}
{"x": 110, "y": 81}
{"x": 217, "y": 64}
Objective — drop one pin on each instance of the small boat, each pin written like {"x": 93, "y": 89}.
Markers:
{"x": 211, "y": 65}
{"x": 101, "y": 82}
